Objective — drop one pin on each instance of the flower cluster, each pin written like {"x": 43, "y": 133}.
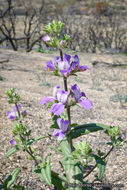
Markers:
{"x": 60, "y": 98}
{"x": 66, "y": 67}
{"x": 61, "y": 101}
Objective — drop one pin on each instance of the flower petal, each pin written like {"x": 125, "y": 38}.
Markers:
{"x": 47, "y": 100}
{"x": 74, "y": 65}
{"x": 83, "y": 68}
{"x": 63, "y": 65}
{"x": 46, "y": 38}
{"x": 19, "y": 107}
{"x": 62, "y": 96}
{"x": 12, "y": 115}
{"x": 76, "y": 92}
{"x": 13, "y": 142}
{"x": 76, "y": 58}
{"x": 85, "y": 103}
{"x": 55, "y": 90}
{"x": 56, "y": 132}
{"x": 63, "y": 125}
{"x": 57, "y": 108}
{"x": 50, "y": 66}
{"x": 61, "y": 136}
{"x": 67, "y": 57}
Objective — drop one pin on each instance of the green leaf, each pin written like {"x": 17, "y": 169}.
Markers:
{"x": 46, "y": 171}
{"x": 57, "y": 180}
{"x": 12, "y": 177}
{"x": 11, "y": 151}
{"x": 65, "y": 148}
{"x": 86, "y": 129}
{"x": 18, "y": 187}
{"x": 30, "y": 141}
{"x": 101, "y": 165}
{"x": 78, "y": 175}
{"x": 74, "y": 124}
{"x": 68, "y": 165}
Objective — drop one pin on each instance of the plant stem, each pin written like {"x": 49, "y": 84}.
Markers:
{"x": 96, "y": 164}
{"x": 17, "y": 110}
{"x": 30, "y": 153}
{"x": 68, "y": 108}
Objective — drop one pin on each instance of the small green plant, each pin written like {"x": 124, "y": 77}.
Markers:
{"x": 74, "y": 156}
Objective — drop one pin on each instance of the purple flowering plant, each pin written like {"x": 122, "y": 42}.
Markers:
{"x": 75, "y": 156}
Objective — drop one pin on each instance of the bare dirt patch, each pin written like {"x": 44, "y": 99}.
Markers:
{"x": 103, "y": 85}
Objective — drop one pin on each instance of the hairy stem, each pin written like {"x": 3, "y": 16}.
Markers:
{"x": 31, "y": 154}
{"x": 96, "y": 164}
{"x": 68, "y": 109}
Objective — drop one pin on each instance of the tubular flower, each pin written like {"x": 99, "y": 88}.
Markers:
{"x": 76, "y": 65}
{"x": 77, "y": 94}
{"x": 63, "y": 126}
{"x": 60, "y": 96}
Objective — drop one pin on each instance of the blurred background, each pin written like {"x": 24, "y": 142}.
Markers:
{"x": 94, "y": 25}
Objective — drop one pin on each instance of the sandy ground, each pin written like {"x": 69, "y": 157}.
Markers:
{"x": 104, "y": 81}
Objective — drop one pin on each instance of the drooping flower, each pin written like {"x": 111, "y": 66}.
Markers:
{"x": 13, "y": 142}
{"x": 63, "y": 126}
{"x": 80, "y": 97}
{"x": 60, "y": 96}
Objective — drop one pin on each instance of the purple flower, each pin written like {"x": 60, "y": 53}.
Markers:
{"x": 57, "y": 108}
{"x": 77, "y": 94}
{"x": 76, "y": 66}
{"x": 76, "y": 58}
{"x": 47, "y": 100}
{"x": 63, "y": 43}
{"x": 55, "y": 90}
{"x": 83, "y": 68}
{"x": 12, "y": 115}
{"x": 64, "y": 66}
{"x": 63, "y": 126}
{"x": 60, "y": 96}
{"x": 24, "y": 113}
{"x": 13, "y": 142}
{"x": 50, "y": 66}
{"x": 46, "y": 38}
